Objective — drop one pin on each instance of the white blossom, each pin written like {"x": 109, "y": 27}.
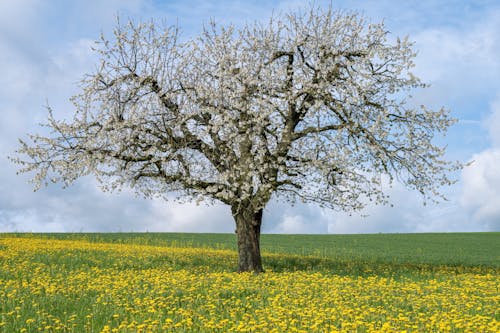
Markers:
{"x": 309, "y": 107}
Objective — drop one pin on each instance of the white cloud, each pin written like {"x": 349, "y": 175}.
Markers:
{"x": 189, "y": 217}
{"x": 481, "y": 180}
{"x": 460, "y": 62}
{"x": 283, "y": 218}
{"x": 405, "y": 215}
{"x": 295, "y": 224}
{"x": 443, "y": 51}
{"x": 481, "y": 189}
{"x": 83, "y": 207}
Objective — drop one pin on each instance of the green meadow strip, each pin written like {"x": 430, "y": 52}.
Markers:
{"x": 157, "y": 283}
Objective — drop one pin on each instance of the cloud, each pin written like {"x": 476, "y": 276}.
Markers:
{"x": 461, "y": 63}
{"x": 408, "y": 213}
{"x": 283, "y": 218}
{"x": 83, "y": 207}
{"x": 466, "y": 52}
{"x": 189, "y": 217}
{"x": 481, "y": 189}
{"x": 481, "y": 180}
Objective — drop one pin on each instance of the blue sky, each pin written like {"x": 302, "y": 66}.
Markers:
{"x": 45, "y": 49}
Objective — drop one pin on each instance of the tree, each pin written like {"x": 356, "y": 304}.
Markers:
{"x": 310, "y": 106}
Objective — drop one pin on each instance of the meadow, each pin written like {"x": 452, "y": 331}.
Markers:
{"x": 162, "y": 282}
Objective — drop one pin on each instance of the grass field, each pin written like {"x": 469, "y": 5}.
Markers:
{"x": 162, "y": 282}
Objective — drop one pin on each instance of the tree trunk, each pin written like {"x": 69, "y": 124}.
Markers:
{"x": 248, "y": 224}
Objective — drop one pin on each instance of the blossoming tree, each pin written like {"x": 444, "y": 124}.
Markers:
{"x": 309, "y": 107}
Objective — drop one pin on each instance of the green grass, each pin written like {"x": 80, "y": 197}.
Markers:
{"x": 450, "y": 249}
{"x": 44, "y": 285}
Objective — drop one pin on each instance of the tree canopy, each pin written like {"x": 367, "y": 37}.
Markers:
{"x": 311, "y": 106}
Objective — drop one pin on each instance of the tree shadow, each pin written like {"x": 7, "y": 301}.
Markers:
{"x": 356, "y": 267}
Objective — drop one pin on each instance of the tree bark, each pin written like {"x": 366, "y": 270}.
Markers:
{"x": 248, "y": 222}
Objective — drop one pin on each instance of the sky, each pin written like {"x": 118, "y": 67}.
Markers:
{"x": 45, "y": 49}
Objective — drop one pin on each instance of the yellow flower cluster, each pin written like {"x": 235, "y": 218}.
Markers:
{"x": 77, "y": 286}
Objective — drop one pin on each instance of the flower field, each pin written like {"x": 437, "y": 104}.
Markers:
{"x": 54, "y": 285}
